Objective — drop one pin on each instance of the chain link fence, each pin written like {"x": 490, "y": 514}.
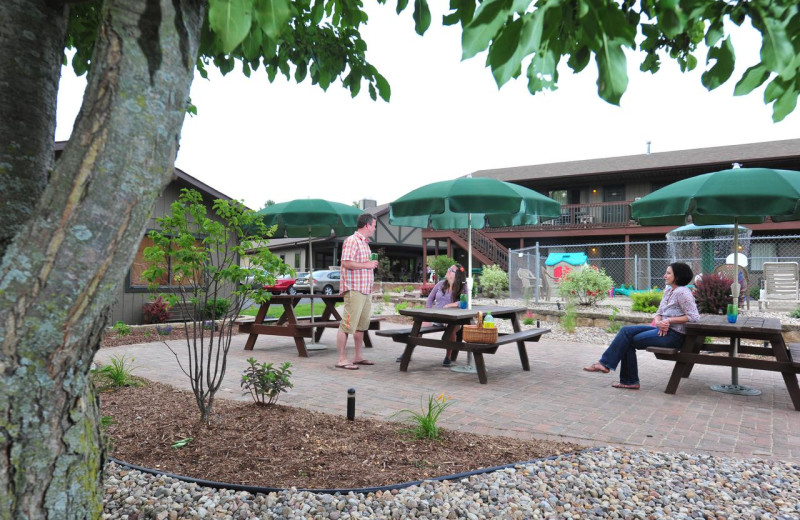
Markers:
{"x": 641, "y": 265}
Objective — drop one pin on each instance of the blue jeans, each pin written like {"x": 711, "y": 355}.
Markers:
{"x": 630, "y": 339}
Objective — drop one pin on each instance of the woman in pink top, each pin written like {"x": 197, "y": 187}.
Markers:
{"x": 667, "y": 330}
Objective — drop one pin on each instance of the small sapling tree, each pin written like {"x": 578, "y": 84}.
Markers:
{"x": 195, "y": 262}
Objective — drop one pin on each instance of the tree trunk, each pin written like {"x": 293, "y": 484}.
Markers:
{"x": 59, "y": 276}
{"x": 31, "y": 47}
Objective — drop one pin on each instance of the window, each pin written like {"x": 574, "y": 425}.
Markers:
{"x": 760, "y": 253}
{"x": 559, "y": 196}
{"x": 297, "y": 260}
{"x": 139, "y": 265}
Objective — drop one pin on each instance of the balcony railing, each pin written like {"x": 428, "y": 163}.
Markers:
{"x": 587, "y": 216}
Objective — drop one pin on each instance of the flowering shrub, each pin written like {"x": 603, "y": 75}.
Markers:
{"x": 164, "y": 330}
{"x": 156, "y": 311}
{"x": 528, "y": 318}
{"x": 425, "y": 289}
{"x": 713, "y": 294}
{"x": 585, "y": 286}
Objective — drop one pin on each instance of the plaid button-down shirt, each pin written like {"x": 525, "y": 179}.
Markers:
{"x": 355, "y": 248}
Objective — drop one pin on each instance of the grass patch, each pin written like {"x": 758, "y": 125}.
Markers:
{"x": 275, "y": 311}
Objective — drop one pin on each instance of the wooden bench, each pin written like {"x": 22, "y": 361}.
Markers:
{"x": 304, "y": 327}
{"x": 477, "y": 349}
{"x": 401, "y": 335}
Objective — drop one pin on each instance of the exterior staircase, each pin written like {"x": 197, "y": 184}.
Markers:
{"x": 486, "y": 249}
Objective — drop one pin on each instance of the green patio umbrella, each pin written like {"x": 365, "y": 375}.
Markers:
{"x": 472, "y": 203}
{"x": 301, "y": 218}
{"x": 735, "y": 196}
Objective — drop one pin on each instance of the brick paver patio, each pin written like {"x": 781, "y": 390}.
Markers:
{"x": 555, "y": 400}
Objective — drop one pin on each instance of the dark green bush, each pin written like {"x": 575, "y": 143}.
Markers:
{"x": 713, "y": 294}
{"x": 216, "y": 309}
{"x": 755, "y": 292}
{"x": 646, "y": 301}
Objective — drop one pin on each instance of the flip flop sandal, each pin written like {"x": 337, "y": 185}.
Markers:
{"x": 597, "y": 367}
{"x": 347, "y": 367}
{"x": 363, "y": 362}
{"x": 627, "y": 387}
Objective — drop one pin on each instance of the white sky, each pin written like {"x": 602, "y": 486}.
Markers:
{"x": 254, "y": 141}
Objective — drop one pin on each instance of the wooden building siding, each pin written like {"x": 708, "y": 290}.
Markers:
{"x": 128, "y": 306}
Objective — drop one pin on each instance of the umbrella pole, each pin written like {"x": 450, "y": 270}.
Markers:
{"x": 735, "y": 387}
{"x": 468, "y": 368}
{"x": 314, "y": 345}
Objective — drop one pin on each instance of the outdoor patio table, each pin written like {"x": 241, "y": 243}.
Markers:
{"x": 775, "y": 355}
{"x": 288, "y": 324}
{"x": 455, "y": 317}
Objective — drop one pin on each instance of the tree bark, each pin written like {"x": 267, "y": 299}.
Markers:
{"x": 31, "y": 48}
{"x": 60, "y": 274}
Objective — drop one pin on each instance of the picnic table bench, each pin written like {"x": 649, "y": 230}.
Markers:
{"x": 298, "y": 328}
{"x": 774, "y": 356}
{"x": 453, "y": 318}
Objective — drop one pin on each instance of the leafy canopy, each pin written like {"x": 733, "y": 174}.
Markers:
{"x": 321, "y": 39}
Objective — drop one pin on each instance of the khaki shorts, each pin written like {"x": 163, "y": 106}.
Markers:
{"x": 357, "y": 310}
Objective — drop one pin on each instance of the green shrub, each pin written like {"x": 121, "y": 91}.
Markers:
{"x": 528, "y": 318}
{"x": 494, "y": 281}
{"x": 400, "y": 306}
{"x": 795, "y": 313}
{"x": 440, "y": 264}
{"x": 713, "y": 294}
{"x": 386, "y": 297}
{"x": 121, "y": 328}
{"x": 409, "y": 288}
{"x": 613, "y": 325}
{"x": 116, "y": 374}
{"x": 397, "y": 289}
{"x": 755, "y": 292}
{"x": 585, "y": 286}
{"x": 265, "y": 383}
{"x": 217, "y": 309}
{"x": 570, "y": 319}
{"x": 646, "y": 301}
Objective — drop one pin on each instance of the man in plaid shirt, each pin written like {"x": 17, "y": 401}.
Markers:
{"x": 356, "y": 285}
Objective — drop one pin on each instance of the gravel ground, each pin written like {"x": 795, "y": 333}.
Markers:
{"x": 601, "y": 483}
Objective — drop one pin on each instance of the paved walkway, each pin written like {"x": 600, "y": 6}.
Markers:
{"x": 555, "y": 400}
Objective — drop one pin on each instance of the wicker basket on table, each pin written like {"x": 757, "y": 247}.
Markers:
{"x": 477, "y": 334}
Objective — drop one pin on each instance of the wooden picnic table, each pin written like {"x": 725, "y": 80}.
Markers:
{"x": 774, "y": 354}
{"x": 298, "y": 328}
{"x": 452, "y": 318}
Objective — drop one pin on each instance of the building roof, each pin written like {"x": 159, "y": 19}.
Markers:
{"x": 177, "y": 174}
{"x": 772, "y": 150}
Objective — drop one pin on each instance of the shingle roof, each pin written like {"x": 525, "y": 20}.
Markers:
{"x": 683, "y": 158}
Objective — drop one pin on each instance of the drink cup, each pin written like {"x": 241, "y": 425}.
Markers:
{"x": 733, "y": 313}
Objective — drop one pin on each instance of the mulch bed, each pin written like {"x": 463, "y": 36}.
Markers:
{"x": 279, "y": 446}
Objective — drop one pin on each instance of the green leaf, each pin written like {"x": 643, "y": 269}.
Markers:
{"x": 401, "y": 6}
{"x": 543, "y": 72}
{"x": 579, "y": 59}
{"x": 422, "y": 16}
{"x": 777, "y": 52}
{"x": 489, "y": 17}
{"x": 181, "y": 443}
{"x": 612, "y": 78}
{"x": 273, "y": 16}
{"x": 505, "y": 54}
{"x": 784, "y": 105}
{"x": 230, "y": 20}
{"x": 723, "y": 68}
{"x": 752, "y": 78}
{"x": 384, "y": 89}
